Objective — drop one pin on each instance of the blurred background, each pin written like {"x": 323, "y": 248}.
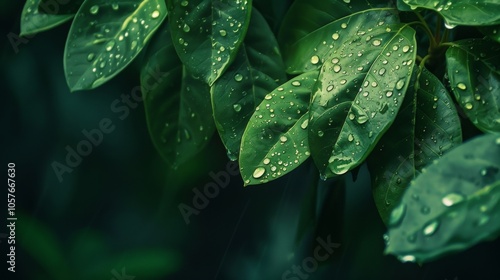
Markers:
{"x": 116, "y": 214}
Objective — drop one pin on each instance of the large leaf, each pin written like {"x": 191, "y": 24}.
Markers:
{"x": 105, "y": 37}
{"x": 453, "y": 205}
{"x": 256, "y": 71}
{"x": 275, "y": 140}
{"x": 56, "y": 8}
{"x": 462, "y": 12}
{"x": 475, "y": 80}
{"x": 208, "y": 33}
{"x": 177, "y": 106}
{"x": 310, "y": 28}
{"x": 426, "y": 127}
{"x": 360, "y": 90}
{"x": 34, "y": 20}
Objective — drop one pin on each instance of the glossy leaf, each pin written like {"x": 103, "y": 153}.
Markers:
{"x": 256, "y": 71}
{"x": 475, "y": 80}
{"x": 402, "y": 6}
{"x": 360, "y": 90}
{"x": 426, "y": 127}
{"x": 34, "y": 21}
{"x": 462, "y": 12}
{"x": 177, "y": 106}
{"x": 59, "y": 7}
{"x": 310, "y": 28}
{"x": 275, "y": 139}
{"x": 208, "y": 33}
{"x": 104, "y": 38}
{"x": 453, "y": 205}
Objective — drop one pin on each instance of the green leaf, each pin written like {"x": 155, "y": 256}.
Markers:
{"x": 360, "y": 90}
{"x": 462, "y": 12}
{"x": 453, "y": 205}
{"x": 475, "y": 80}
{"x": 256, "y": 71}
{"x": 33, "y": 21}
{"x": 178, "y": 110}
{"x": 311, "y": 28}
{"x": 208, "y": 33}
{"x": 104, "y": 38}
{"x": 275, "y": 140}
{"x": 426, "y": 127}
{"x": 59, "y": 7}
{"x": 402, "y": 6}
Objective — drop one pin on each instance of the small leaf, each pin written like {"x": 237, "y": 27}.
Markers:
{"x": 311, "y": 28}
{"x": 177, "y": 106}
{"x": 104, "y": 38}
{"x": 475, "y": 80}
{"x": 256, "y": 71}
{"x": 33, "y": 21}
{"x": 208, "y": 33}
{"x": 275, "y": 140}
{"x": 453, "y": 205}
{"x": 462, "y": 12}
{"x": 426, "y": 127}
{"x": 360, "y": 90}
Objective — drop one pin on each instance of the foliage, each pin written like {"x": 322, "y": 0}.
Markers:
{"x": 344, "y": 82}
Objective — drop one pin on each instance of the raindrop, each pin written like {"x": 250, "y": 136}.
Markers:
{"x": 329, "y": 88}
{"x": 266, "y": 161}
{"x": 222, "y": 32}
{"x": 336, "y": 68}
{"x": 461, "y": 86}
{"x": 343, "y": 25}
{"x": 406, "y": 49}
{"x": 468, "y": 106}
{"x": 237, "y": 107}
{"x": 238, "y": 77}
{"x": 431, "y": 228}
{"x": 397, "y": 215}
{"x": 258, "y": 172}
{"x": 94, "y": 9}
{"x": 184, "y": 3}
{"x": 381, "y": 72}
{"x": 304, "y": 124}
{"x": 407, "y": 258}
{"x": 400, "y": 84}
{"x": 350, "y": 137}
{"x": 283, "y": 139}
{"x": 155, "y": 14}
{"x": 376, "y": 43}
{"x": 90, "y": 57}
{"x": 115, "y": 6}
{"x": 110, "y": 45}
{"x": 388, "y": 94}
{"x": 314, "y": 59}
{"x": 335, "y": 36}
{"x": 452, "y": 199}
{"x": 186, "y": 28}
{"x": 296, "y": 83}
{"x": 320, "y": 133}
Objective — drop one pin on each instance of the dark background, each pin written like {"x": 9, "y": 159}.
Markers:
{"x": 118, "y": 212}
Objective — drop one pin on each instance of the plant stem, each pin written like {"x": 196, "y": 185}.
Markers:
{"x": 425, "y": 26}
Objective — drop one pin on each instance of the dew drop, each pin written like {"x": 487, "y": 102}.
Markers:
{"x": 296, "y": 83}
{"x": 110, "y": 45}
{"x": 461, "y": 86}
{"x": 335, "y": 36}
{"x": 90, "y": 57}
{"x": 329, "y": 88}
{"x": 237, "y": 107}
{"x": 266, "y": 161}
{"x": 407, "y": 258}
{"x": 452, "y": 199}
{"x": 238, "y": 77}
{"x": 397, "y": 215}
{"x": 222, "y": 32}
{"x": 155, "y": 14}
{"x": 376, "y": 42}
{"x": 115, "y": 6}
{"x": 406, "y": 49}
{"x": 186, "y": 28}
{"x": 468, "y": 106}
{"x": 431, "y": 228}
{"x": 283, "y": 139}
{"x": 350, "y": 137}
{"x": 314, "y": 59}
{"x": 400, "y": 84}
{"x": 184, "y": 3}
{"x": 336, "y": 68}
{"x": 388, "y": 94}
{"x": 258, "y": 172}
{"x": 304, "y": 124}
{"x": 94, "y": 9}
{"x": 320, "y": 133}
